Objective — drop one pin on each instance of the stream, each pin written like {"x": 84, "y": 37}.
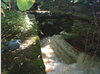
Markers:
{"x": 61, "y": 58}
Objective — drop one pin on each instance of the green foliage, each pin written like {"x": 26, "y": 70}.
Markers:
{"x": 46, "y": 5}
{"x": 3, "y": 5}
{"x": 77, "y": 8}
{"x": 83, "y": 34}
{"x": 69, "y": 35}
{"x": 80, "y": 27}
{"x": 30, "y": 4}
{"x": 6, "y": 0}
{"x": 67, "y": 1}
{"x": 14, "y": 24}
{"x": 24, "y": 5}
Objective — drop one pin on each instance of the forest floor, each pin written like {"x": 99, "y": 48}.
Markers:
{"x": 25, "y": 60}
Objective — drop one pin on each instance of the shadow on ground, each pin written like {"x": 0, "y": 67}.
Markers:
{"x": 23, "y": 61}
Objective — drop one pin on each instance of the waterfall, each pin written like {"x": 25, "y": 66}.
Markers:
{"x": 61, "y": 58}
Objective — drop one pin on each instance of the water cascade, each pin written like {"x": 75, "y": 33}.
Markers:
{"x": 61, "y": 58}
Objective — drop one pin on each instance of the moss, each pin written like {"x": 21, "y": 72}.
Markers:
{"x": 25, "y": 60}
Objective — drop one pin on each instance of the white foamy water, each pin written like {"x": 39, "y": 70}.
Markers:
{"x": 61, "y": 58}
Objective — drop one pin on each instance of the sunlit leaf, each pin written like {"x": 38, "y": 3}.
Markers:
{"x": 2, "y": 12}
{"x": 30, "y": 3}
{"x": 40, "y": 66}
{"x": 24, "y": 5}
{"x": 16, "y": 58}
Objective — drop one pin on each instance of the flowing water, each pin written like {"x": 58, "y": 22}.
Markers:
{"x": 61, "y": 58}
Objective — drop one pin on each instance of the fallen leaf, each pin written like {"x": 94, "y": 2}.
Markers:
{"x": 2, "y": 12}
{"x": 16, "y": 58}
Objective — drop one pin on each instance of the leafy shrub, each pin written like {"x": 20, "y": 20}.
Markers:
{"x": 14, "y": 24}
{"x": 82, "y": 34}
